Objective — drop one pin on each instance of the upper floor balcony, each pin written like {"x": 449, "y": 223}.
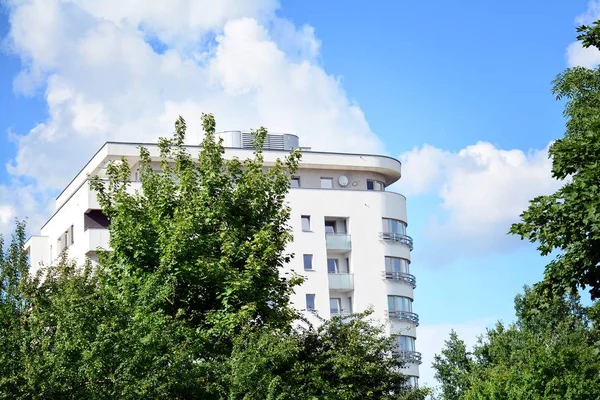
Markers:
{"x": 407, "y": 356}
{"x": 401, "y": 277}
{"x": 96, "y": 238}
{"x": 406, "y": 316}
{"x": 397, "y": 238}
{"x": 341, "y": 281}
{"x": 338, "y": 241}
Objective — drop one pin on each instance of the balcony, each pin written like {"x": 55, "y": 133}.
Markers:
{"x": 407, "y": 356}
{"x": 341, "y": 281}
{"x": 338, "y": 241}
{"x": 405, "y": 316}
{"x": 96, "y": 238}
{"x": 401, "y": 277}
{"x": 397, "y": 238}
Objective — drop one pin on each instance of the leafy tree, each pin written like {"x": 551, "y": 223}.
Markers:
{"x": 546, "y": 354}
{"x": 191, "y": 303}
{"x": 569, "y": 219}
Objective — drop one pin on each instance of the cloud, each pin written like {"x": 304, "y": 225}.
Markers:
{"x": 481, "y": 190}
{"x": 431, "y": 340}
{"x": 124, "y": 70}
{"x": 576, "y": 54}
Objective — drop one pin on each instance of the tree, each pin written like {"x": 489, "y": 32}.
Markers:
{"x": 546, "y": 354}
{"x": 191, "y": 302}
{"x": 568, "y": 220}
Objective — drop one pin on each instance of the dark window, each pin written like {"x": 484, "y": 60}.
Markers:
{"x": 310, "y": 301}
{"x": 308, "y": 261}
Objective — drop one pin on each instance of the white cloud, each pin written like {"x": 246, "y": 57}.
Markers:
{"x": 6, "y": 214}
{"x": 431, "y": 340}
{"x": 103, "y": 80}
{"x": 576, "y": 54}
{"x": 482, "y": 190}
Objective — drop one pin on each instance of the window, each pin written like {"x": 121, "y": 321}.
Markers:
{"x": 326, "y": 183}
{"x": 394, "y": 226}
{"x": 375, "y": 185}
{"x": 308, "y": 262}
{"x": 332, "y": 266}
{"x": 399, "y": 303}
{"x": 310, "y": 301}
{"x": 412, "y": 381}
{"x": 405, "y": 343}
{"x": 71, "y": 235}
{"x": 350, "y": 304}
{"x": 330, "y": 227}
{"x": 295, "y": 182}
{"x": 306, "y": 223}
{"x": 335, "y": 306}
{"x": 396, "y": 265}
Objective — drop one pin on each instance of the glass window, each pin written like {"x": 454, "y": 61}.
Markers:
{"x": 332, "y": 266}
{"x": 396, "y": 264}
{"x": 375, "y": 185}
{"x": 295, "y": 182}
{"x": 330, "y": 227}
{"x": 394, "y": 226}
{"x": 399, "y": 303}
{"x": 310, "y": 301}
{"x": 308, "y": 261}
{"x": 406, "y": 343}
{"x": 326, "y": 183}
{"x": 306, "y": 223}
{"x": 335, "y": 306}
{"x": 350, "y": 304}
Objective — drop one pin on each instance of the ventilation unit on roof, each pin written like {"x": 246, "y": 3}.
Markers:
{"x": 273, "y": 141}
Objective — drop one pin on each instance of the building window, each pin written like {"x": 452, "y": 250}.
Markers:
{"x": 295, "y": 182}
{"x": 350, "y": 304}
{"x": 405, "y": 343}
{"x": 310, "y": 302}
{"x": 394, "y": 226}
{"x": 335, "y": 305}
{"x": 399, "y": 303}
{"x": 375, "y": 185}
{"x": 308, "y": 262}
{"x": 396, "y": 265}
{"x": 72, "y": 236}
{"x": 332, "y": 266}
{"x": 330, "y": 227}
{"x": 306, "y": 223}
{"x": 326, "y": 183}
{"x": 412, "y": 381}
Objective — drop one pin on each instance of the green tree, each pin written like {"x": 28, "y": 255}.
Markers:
{"x": 546, "y": 354}
{"x": 568, "y": 220}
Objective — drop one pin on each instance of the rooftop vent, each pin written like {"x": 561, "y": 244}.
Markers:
{"x": 274, "y": 141}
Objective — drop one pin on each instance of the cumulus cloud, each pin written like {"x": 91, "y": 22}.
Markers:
{"x": 124, "y": 70}
{"x": 576, "y": 54}
{"x": 482, "y": 190}
{"x": 431, "y": 342}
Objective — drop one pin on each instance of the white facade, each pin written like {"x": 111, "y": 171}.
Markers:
{"x": 349, "y": 233}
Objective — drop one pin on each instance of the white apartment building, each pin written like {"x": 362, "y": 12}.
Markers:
{"x": 350, "y": 237}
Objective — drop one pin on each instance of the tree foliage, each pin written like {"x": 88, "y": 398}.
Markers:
{"x": 546, "y": 354}
{"x": 191, "y": 303}
{"x": 568, "y": 220}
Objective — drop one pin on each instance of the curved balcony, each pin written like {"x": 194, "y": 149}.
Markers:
{"x": 401, "y": 277}
{"x": 397, "y": 238}
{"x": 407, "y": 356}
{"x": 405, "y": 316}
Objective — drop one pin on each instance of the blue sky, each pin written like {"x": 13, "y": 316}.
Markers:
{"x": 424, "y": 81}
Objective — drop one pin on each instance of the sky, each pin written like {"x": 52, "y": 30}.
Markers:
{"x": 460, "y": 94}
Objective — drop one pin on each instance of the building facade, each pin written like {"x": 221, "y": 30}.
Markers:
{"x": 350, "y": 234}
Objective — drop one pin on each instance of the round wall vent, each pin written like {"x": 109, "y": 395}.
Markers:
{"x": 343, "y": 180}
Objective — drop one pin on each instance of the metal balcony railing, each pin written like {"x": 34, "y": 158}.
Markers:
{"x": 405, "y": 316}
{"x": 401, "y": 276}
{"x": 341, "y": 281}
{"x": 398, "y": 238}
{"x": 338, "y": 241}
{"x": 408, "y": 356}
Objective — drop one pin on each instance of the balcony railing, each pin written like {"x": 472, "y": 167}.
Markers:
{"x": 338, "y": 241}
{"x": 96, "y": 238}
{"x": 408, "y": 356}
{"x": 405, "y": 316}
{"x": 397, "y": 237}
{"x": 341, "y": 281}
{"x": 401, "y": 276}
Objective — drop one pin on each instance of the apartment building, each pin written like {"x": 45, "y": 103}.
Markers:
{"x": 350, "y": 234}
